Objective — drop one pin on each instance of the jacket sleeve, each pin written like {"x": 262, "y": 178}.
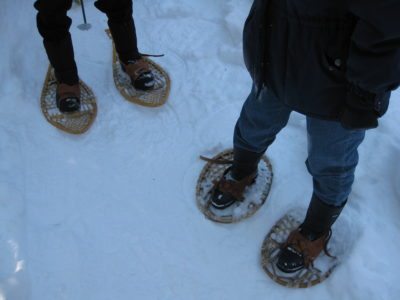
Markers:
{"x": 374, "y": 55}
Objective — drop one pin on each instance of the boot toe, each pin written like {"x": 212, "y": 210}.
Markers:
{"x": 144, "y": 82}
{"x": 290, "y": 260}
{"x": 69, "y": 105}
{"x": 220, "y": 200}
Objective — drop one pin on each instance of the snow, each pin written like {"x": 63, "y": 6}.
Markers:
{"x": 111, "y": 214}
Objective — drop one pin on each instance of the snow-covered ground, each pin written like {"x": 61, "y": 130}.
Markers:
{"x": 111, "y": 214}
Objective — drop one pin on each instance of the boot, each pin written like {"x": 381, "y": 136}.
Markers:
{"x": 233, "y": 183}
{"x": 132, "y": 63}
{"x": 68, "y": 97}
{"x": 61, "y": 57}
{"x": 306, "y": 242}
{"x": 140, "y": 74}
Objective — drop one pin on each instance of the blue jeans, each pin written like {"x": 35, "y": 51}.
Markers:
{"x": 332, "y": 150}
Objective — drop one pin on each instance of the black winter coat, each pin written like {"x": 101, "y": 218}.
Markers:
{"x": 335, "y": 60}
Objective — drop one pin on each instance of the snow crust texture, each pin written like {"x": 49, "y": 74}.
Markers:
{"x": 111, "y": 214}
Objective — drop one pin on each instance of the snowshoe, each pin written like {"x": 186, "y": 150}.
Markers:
{"x": 254, "y": 194}
{"x": 284, "y": 259}
{"x": 143, "y": 82}
{"x": 70, "y": 109}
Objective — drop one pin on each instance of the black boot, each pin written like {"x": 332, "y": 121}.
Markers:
{"x": 306, "y": 243}
{"x": 124, "y": 36}
{"x": 235, "y": 180}
{"x": 140, "y": 73}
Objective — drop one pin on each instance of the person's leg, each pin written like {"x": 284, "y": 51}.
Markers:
{"x": 261, "y": 118}
{"x": 122, "y": 27}
{"x": 332, "y": 160}
{"x": 123, "y": 31}
{"x": 260, "y": 121}
{"x": 53, "y": 25}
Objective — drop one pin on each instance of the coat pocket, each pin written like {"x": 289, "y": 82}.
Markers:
{"x": 315, "y": 81}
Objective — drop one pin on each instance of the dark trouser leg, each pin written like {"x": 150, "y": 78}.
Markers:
{"x": 53, "y": 25}
{"x": 122, "y": 27}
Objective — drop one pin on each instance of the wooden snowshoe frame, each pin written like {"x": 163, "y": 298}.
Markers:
{"x": 151, "y": 98}
{"x": 76, "y": 122}
{"x": 304, "y": 278}
{"x": 213, "y": 172}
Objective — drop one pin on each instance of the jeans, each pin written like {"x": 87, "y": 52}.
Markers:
{"x": 332, "y": 149}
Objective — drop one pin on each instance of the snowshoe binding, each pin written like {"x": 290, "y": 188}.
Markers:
{"x": 229, "y": 190}
{"x": 296, "y": 257}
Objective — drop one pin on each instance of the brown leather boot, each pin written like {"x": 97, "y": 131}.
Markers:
{"x": 68, "y": 97}
{"x": 230, "y": 188}
{"x": 140, "y": 74}
{"x": 299, "y": 252}
{"x": 305, "y": 243}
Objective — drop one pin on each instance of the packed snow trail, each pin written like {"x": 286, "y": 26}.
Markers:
{"x": 111, "y": 214}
